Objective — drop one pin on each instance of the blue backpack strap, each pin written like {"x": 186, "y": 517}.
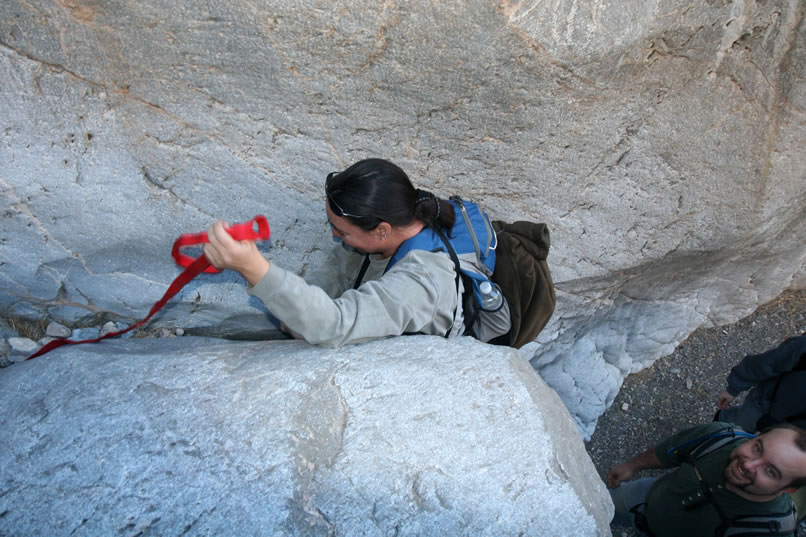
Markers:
{"x": 472, "y": 233}
{"x": 708, "y": 443}
{"x": 462, "y": 239}
{"x": 475, "y": 224}
{"x": 469, "y": 225}
{"x": 426, "y": 240}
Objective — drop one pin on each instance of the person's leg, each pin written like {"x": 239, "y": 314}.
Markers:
{"x": 628, "y": 495}
{"x": 745, "y": 415}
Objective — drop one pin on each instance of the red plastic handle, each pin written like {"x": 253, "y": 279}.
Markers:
{"x": 240, "y": 232}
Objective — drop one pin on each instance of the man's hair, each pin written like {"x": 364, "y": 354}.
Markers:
{"x": 800, "y": 441}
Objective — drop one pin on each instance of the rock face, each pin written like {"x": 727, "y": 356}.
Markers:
{"x": 195, "y": 436}
{"x": 662, "y": 142}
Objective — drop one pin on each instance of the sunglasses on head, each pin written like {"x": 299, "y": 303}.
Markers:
{"x": 335, "y": 207}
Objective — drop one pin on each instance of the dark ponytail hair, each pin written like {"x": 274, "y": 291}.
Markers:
{"x": 374, "y": 190}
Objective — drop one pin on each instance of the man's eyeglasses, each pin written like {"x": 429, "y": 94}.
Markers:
{"x": 335, "y": 207}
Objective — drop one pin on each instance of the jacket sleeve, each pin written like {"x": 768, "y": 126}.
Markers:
{"x": 757, "y": 368}
{"x": 417, "y": 295}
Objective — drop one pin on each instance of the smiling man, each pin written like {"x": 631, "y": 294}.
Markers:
{"x": 724, "y": 482}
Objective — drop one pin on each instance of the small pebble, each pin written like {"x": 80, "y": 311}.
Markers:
{"x": 57, "y": 330}
{"x": 108, "y": 328}
{"x": 689, "y": 383}
{"x": 674, "y": 371}
{"x": 22, "y": 345}
{"x": 180, "y": 332}
{"x": 166, "y": 333}
{"x": 625, "y": 407}
{"x": 80, "y": 334}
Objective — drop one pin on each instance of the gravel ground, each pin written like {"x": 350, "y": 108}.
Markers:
{"x": 680, "y": 390}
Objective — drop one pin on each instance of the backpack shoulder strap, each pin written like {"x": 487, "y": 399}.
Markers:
{"x": 774, "y": 524}
{"x": 717, "y": 441}
{"x": 708, "y": 443}
{"x": 360, "y": 277}
{"x": 492, "y": 239}
{"x": 457, "y": 268}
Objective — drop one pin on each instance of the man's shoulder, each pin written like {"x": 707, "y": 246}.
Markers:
{"x": 702, "y": 432}
{"x": 677, "y": 447}
{"x": 744, "y": 514}
{"x": 778, "y": 509}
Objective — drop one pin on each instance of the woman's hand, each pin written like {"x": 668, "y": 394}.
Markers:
{"x": 224, "y": 252}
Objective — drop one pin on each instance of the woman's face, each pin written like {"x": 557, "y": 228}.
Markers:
{"x": 352, "y": 235}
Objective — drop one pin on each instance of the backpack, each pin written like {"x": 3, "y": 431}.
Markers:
{"x": 522, "y": 273}
{"x": 770, "y": 524}
{"x": 510, "y": 256}
{"x": 471, "y": 245}
{"x": 519, "y": 270}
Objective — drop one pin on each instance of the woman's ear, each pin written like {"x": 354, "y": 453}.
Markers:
{"x": 383, "y": 230}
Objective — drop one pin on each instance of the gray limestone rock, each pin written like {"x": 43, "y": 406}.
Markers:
{"x": 192, "y": 436}
{"x": 45, "y": 340}
{"x": 80, "y": 334}
{"x": 22, "y": 345}
{"x": 57, "y": 330}
{"x": 108, "y": 328}
{"x": 662, "y": 143}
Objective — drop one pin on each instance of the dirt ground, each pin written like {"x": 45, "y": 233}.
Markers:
{"x": 680, "y": 390}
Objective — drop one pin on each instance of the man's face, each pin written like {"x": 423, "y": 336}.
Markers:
{"x": 763, "y": 467}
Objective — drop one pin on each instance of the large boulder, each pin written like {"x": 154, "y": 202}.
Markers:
{"x": 662, "y": 142}
{"x": 194, "y": 436}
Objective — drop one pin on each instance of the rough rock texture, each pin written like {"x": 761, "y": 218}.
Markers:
{"x": 195, "y": 436}
{"x": 661, "y": 141}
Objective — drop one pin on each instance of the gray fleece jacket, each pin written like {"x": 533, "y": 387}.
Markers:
{"x": 417, "y": 295}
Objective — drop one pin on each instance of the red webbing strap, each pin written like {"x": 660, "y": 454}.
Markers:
{"x": 239, "y": 232}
